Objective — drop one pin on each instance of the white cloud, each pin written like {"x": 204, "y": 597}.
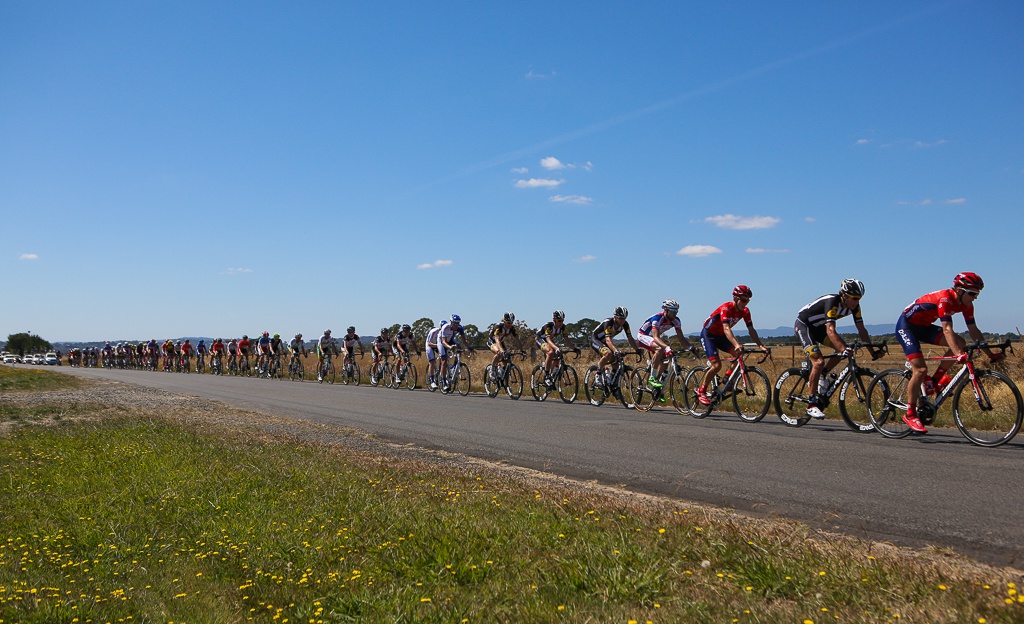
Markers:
{"x": 532, "y": 75}
{"x": 958, "y": 200}
{"x": 923, "y": 144}
{"x": 236, "y": 271}
{"x": 586, "y": 258}
{"x": 434, "y": 264}
{"x": 863, "y": 141}
{"x": 520, "y": 170}
{"x": 538, "y": 183}
{"x": 810, "y": 219}
{"x": 579, "y": 200}
{"x": 28, "y": 256}
{"x": 551, "y": 163}
{"x": 698, "y": 251}
{"x": 760, "y": 250}
{"x": 923, "y": 202}
{"x": 735, "y": 222}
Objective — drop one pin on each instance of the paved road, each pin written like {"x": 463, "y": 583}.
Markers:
{"x": 937, "y": 489}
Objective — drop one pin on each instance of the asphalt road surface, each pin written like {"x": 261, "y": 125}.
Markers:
{"x": 936, "y": 489}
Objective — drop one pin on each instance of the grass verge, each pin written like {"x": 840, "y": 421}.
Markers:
{"x": 35, "y": 380}
{"x": 144, "y": 518}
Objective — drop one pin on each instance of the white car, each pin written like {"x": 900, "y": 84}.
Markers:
{"x": 38, "y": 359}
{"x": 10, "y": 358}
{"x": 50, "y": 359}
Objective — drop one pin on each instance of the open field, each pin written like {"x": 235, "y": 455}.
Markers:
{"x": 154, "y": 507}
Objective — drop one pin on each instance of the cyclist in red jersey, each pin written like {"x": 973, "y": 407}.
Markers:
{"x": 915, "y": 326}
{"x": 717, "y": 334}
{"x": 243, "y": 345}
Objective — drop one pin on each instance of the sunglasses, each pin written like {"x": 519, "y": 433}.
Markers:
{"x": 973, "y": 293}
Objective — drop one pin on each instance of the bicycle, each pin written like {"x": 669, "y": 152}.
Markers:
{"x": 200, "y": 363}
{"x": 350, "y": 370}
{"x": 792, "y": 397}
{"x": 184, "y": 364}
{"x": 455, "y": 378}
{"x": 325, "y": 370}
{"x": 563, "y": 378}
{"x": 993, "y": 418}
{"x": 216, "y": 365}
{"x": 232, "y": 364}
{"x": 508, "y": 376}
{"x": 598, "y": 385}
{"x": 243, "y": 366}
{"x": 645, "y": 396}
{"x": 274, "y": 367}
{"x": 380, "y": 372}
{"x": 295, "y": 369}
{"x": 405, "y": 373}
{"x": 747, "y": 386}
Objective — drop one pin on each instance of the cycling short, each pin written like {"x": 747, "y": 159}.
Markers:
{"x": 647, "y": 342}
{"x": 810, "y": 337}
{"x": 911, "y": 336}
{"x": 598, "y": 346}
{"x": 431, "y": 352}
{"x": 713, "y": 343}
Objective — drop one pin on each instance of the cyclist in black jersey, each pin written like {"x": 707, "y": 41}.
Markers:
{"x": 502, "y": 331}
{"x": 546, "y": 341}
{"x": 816, "y": 323}
{"x": 601, "y": 338}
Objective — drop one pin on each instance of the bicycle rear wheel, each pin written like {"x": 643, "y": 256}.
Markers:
{"x": 411, "y": 376}
{"x": 386, "y": 375}
{"x": 694, "y": 380}
{"x": 641, "y": 393}
{"x": 568, "y": 384}
{"x": 593, "y": 386}
{"x": 853, "y": 400}
{"x": 752, "y": 395}
{"x": 993, "y": 416}
{"x": 887, "y": 402}
{"x": 462, "y": 380}
{"x": 514, "y": 382}
{"x": 623, "y": 391}
{"x": 538, "y": 388}
{"x": 791, "y": 400}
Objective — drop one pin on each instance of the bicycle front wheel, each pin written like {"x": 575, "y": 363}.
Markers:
{"x": 791, "y": 398}
{"x": 537, "y": 386}
{"x": 752, "y": 395}
{"x": 593, "y": 386}
{"x": 514, "y": 382}
{"x": 410, "y": 376}
{"x": 887, "y": 402}
{"x": 640, "y": 391}
{"x": 490, "y": 382}
{"x": 691, "y": 386}
{"x": 992, "y": 415}
{"x": 568, "y": 384}
{"x": 623, "y": 391}
{"x": 462, "y": 380}
{"x": 853, "y": 400}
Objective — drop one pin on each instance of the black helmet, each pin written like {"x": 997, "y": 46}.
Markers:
{"x": 621, "y": 312}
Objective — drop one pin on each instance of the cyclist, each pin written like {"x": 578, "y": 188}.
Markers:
{"x": 402, "y": 346}
{"x": 504, "y": 330}
{"x": 545, "y": 338}
{"x": 217, "y": 353}
{"x": 297, "y": 347}
{"x": 168, "y": 354}
{"x": 816, "y": 322}
{"x": 601, "y": 338}
{"x": 717, "y": 334}
{"x": 201, "y": 351}
{"x": 277, "y": 349}
{"x": 381, "y": 346}
{"x": 446, "y": 341}
{"x": 186, "y": 353}
{"x": 431, "y": 349}
{"x": 651, "y": 338}
{"x": 243, "y": 349}
{"x": 915, "y": 326}
{"x": 324, "y": 347}
{"x": 349, "y": 341}
{"x": 263, "y": 353}
{"x": 232, "y": 352}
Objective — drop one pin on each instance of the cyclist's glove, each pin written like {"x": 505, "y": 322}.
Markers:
{"x": 963, "y": 357}
{"x": 997, "y": 357}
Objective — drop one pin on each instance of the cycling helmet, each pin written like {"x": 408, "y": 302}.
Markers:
{"x": 742, "y": 291}
{"x": 202, "y": 340}
{"x": 246, "y": 336}
{"x": 351, "y": 330}
{"x": 219, "y": 340}
{"x": 456, "y": 319}
{"x": 621, "y": 312}
{"x": 406, "y": 327}
{"x": 187, "y": 341}
{"x": 327, "y": 332}
{"x": 277, "y": 335}
{"x": 508, "y": 317}
{"x": 297, "y": 336}
{"x": 266, "y": 334}
{"x": 970, "y": 281}
{"x": 852, "y": 287}
{"x": 670, "y": 305}
{"x": 384, "y": 330}
{"x": 558, "y": 315}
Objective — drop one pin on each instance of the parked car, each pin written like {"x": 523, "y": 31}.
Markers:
{"x": 38, "y": 359}
{"x": 10, "y": 358}
{"x": 50, "y": 359}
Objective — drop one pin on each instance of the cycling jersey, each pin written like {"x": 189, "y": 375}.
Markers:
{"x": 939, "y": 305}
{"x": 276, "y": 345}
{"x": 501, "y": 332}
{"x": 381, "y": 344}
{"x": 232, "y": 347}
{"x": 201, "y": 348}
{"x": 296, "y": 345}
{"x": 608, "y": 329}
{"x": 725, "y": 314}
{"x": 217, "y": 347}
{"x": 550, "y": 331}
{"x": 186, "y": 349}
{"x": 825, "y": 309}
{"x": 243, "y": 346}
{"x": 263, "y": 345}
{"x": 659, "y": 320}
{"x": 402, "y": 340}
{"x": 448, "y": 330}
{"x": 350, "y": 340}
{"x": 324, "y": 345}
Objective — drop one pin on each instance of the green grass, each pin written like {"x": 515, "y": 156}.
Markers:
{"x": 34, "y": 380}
{"x": 147, "y": 520}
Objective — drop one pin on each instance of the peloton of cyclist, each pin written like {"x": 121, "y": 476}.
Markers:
{"x": 717, "y": 335}
{"x": 381, "y": 347}
{"x": 324, "y": 347}
{"x": 504, "y": 330}
{"x": 816, "y": 322}
{"x": 545, "y": 339}
{"x": 915, "y": 326}
{"x": 651, "y": 336}
{"x": 601, "y": 340}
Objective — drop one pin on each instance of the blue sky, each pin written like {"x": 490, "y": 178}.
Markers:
{"x": 197, "y": 168}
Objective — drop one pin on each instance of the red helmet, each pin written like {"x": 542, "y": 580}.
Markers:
{"x": 266, "y": 334}
{"x": 742, "y": 291}
{"x": 970, "y": 281}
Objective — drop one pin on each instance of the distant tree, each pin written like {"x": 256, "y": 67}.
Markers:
{"x": 421, "y": 328}
{"x": 473, "y": 336}
{"x": 579, "y": 332}
{"x": 26, "y": 343}
{"x": 394, "y": 329}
